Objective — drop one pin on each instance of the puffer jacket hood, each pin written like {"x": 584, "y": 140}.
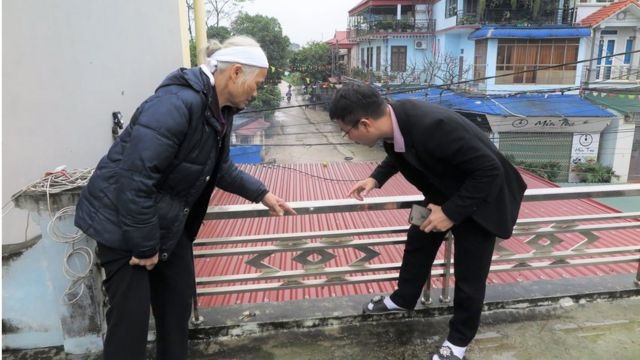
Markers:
{"x": 187, "y": 77}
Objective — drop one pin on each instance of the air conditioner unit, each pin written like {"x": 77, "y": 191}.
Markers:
{"x": 420, "y": 44}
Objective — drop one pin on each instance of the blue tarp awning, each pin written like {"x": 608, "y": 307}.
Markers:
{"x": 534, "y": 105}
{"x": 499, "y": 32}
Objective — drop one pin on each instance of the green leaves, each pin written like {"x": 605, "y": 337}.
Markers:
{"x": 593, "y": 172}
{"x": 313, "y": 61}
{"x": 268, "y": 97}
{"x": 268, "y": 32}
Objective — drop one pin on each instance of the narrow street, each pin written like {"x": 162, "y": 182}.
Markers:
{"x": 310, "y": 136}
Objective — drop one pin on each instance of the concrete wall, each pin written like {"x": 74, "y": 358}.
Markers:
{"x": 616, "y": 143}
{"x": 440, "y": 12}
{"x": 67, "y": 65}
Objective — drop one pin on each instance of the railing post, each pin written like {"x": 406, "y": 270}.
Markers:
{"x": 196, "y": 320}
{"x": 445, "y": 298}
{"x": 425, "y": 298}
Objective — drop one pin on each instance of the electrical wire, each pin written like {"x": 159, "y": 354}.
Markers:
{"x": 448, "y": 86}
{"x": 55, "y": 182}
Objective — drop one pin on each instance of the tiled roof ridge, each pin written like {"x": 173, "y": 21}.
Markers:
{"x": 606, "y": 12}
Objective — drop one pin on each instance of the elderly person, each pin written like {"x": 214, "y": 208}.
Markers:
{"x": 148, "y": 196}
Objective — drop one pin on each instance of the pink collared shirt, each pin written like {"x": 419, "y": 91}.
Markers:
{"x": 398, "y": 140}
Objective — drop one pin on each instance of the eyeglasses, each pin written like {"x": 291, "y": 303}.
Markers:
{"x": 346, "y": 133}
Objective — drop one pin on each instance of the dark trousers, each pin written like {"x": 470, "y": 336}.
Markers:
{"x": 473, "y": 248}
{"x": 132, "y": 290}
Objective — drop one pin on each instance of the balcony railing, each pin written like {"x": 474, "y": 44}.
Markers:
{"x": 521, "y": 17}
{"x": 391, "y": 25}
{"x": 542, "y": 236}
{"x": 611, "y": 73}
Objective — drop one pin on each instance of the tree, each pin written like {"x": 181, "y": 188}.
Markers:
{"x": 431, "y": 67}
{"x": 220, "y": 33}
{"x": 228, "y": 9}
{"x": 268, "y": 32}
{"x": 532, "y": 8}
{"x": 450, "y": 72}
{"x": 215, "y": 10}
{"x": 313, "y": 61}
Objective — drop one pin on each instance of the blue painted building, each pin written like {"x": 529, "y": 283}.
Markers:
{"x": 531, "y": 127}
{"x": 394, "y": 39}
{"x": 533, "y": 50}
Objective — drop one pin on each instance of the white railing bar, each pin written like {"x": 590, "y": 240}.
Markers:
{"x": 395, "y": 266}
{"x": 394, "y": 276}
{"x": 404, "y": 202}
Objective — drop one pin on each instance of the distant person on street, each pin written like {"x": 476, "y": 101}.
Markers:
{"x": 471, "y": 189}
{"x": 148, "y": 196}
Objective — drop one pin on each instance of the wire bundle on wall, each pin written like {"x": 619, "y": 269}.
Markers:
{"x": 54, "y": 182}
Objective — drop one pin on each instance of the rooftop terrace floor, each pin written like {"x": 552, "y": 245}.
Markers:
{"x": 542, "y": 320}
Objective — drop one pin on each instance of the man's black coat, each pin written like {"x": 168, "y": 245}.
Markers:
{"x": 453, "y": 163}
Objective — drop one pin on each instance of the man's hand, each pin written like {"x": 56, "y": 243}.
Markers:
{"x": 149, "y": 263}
{"x": 437, "y": 221}
{"x": 276, "y": 205}
{"x": 362, "y": 188}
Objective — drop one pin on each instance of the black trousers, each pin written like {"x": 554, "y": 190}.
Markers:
{"x": 473, "y": 248}
{"x": 168, "y": 290}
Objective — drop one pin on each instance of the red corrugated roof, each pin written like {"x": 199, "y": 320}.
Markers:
{"x": 252, "y": 128}
{"x": 341, "y": 37}
{"x": 305, "y": 182}
{"x": 606, "y": 12}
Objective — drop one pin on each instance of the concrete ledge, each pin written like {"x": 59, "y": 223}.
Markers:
{"x": 255, "y": 319}
{"x": 334, "y": 329}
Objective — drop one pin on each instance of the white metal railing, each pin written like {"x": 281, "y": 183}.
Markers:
{"x": 612, "y": 73}
{"x": 541, "y": 235}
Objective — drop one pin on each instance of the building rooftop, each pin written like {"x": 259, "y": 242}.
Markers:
{"x": 534, "y": 105}
{"x": 307, "y": 182}
{"x": 608, "y": 11}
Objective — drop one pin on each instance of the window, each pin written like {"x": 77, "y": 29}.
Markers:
{"x": 399, "y": 58}
{"x": 452, "y": 8}
{"x": 480, "y": 60}
{"x": 378, "y": 55}
{"x": 363, "y": 61}
{"x": 519, "y": 61}
{"x": 627, "y": 51}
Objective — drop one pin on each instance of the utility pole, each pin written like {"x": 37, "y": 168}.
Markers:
{"x": 201, "y": 30}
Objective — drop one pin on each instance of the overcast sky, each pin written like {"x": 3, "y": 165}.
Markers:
{"x": 305, "y": 20}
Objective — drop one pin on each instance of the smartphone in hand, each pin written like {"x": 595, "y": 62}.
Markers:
{"x": 418, "y": 214}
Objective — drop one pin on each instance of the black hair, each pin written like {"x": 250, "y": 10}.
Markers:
{"x": 352, "y": 102}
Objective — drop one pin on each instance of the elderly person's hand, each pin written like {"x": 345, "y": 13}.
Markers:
{"x": 276, "y": 205}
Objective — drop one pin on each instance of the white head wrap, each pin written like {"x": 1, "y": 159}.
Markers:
{"x": 247, "y": 55}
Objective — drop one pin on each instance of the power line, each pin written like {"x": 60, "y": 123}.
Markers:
{"x": 510, "y": 139}
{"x": 324, "y": 178}
{"x": 449, "y": 85}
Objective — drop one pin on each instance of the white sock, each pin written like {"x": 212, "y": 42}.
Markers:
{"x": 457, "y": 350}
{"x": 390, "y": 304}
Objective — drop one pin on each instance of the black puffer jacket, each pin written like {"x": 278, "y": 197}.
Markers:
{"x": 156, "y": 180}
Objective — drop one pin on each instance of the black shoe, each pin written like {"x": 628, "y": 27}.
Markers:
{"x": 377, "y": 306}
{"x": 445, "y": 353}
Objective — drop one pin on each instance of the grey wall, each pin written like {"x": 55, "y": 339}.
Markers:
{"x": 67, "y": 65}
